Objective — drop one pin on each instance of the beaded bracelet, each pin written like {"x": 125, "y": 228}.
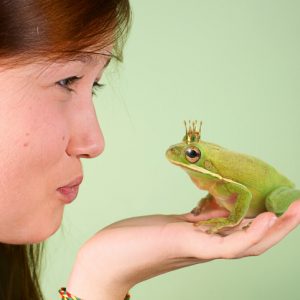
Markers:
{"x": 65, "y": 295}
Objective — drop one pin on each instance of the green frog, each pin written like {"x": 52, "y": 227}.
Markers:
{"x": 242, "y": 184}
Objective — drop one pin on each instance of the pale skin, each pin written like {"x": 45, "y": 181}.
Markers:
{"x": 45, "y": 132}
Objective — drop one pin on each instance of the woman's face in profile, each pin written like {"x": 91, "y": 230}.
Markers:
{"x": 47, "y": 124}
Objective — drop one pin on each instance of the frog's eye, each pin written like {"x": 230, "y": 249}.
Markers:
{"x": 192, "y": 154}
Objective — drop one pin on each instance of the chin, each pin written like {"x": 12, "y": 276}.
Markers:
{"x": 35, "y": 228}
{"x": 42, "y": 236}
{"x": 36, "y": 232}
{"x": 31, "y": 238}
{"x": 46, "y": 231}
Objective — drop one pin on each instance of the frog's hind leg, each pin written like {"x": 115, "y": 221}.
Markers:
{"x": 207, "y": 203}
{"x": 280, "y": 199}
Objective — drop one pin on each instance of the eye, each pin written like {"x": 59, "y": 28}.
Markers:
{"x": 96, "y": 87}
{"x": 67, "y": 82}
{"x": 192, "y": 154}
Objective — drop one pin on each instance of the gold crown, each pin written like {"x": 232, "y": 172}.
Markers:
{"x": 192, "y": 134}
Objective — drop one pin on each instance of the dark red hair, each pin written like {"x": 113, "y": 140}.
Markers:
{"x": 32, "y": 30}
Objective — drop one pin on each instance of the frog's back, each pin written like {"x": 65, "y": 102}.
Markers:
{"x": 260, "y": 177}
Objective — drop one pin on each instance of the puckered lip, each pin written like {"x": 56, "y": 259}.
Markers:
{"x": 76, "y": 181}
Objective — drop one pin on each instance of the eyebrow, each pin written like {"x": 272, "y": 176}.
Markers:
{"x": 91, "y": 59}
{"x": 84, "y": 58}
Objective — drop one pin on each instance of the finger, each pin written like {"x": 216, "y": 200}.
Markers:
{"x": 237, "y": 243}
{"x": 285, "y": 224}
{"x": 201, "y": 245}
{"x": 220, "y": 212}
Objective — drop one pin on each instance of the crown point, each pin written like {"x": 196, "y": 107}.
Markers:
{"x": 192, "y": 134}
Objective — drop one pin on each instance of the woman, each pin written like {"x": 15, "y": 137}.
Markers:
{"x": 52, "y": 54}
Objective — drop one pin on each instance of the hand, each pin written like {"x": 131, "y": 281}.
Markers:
{"x": 133, "y": 250}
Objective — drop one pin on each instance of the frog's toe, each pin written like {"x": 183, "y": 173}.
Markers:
{"x": 196, "y": 211}
{"x": 216, "y": 224}
{"x": 213, "y": 229}
{"x": 247, "y": 225}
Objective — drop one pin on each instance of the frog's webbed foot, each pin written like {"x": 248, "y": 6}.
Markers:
{"x": 216, "y": 224}
{"x": 205, "y": 204}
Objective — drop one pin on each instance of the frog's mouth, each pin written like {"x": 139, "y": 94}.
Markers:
{"x": 195, "y": 168}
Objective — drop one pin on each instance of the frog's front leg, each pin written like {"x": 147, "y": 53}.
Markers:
{"x": 206, "y": 203}
{"x": 229, "y": 191}
{"x": 280, "y": 199}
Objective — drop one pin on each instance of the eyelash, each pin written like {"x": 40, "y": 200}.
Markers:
{"x": 96, "y": 87}
{"x": 71, "y": 80}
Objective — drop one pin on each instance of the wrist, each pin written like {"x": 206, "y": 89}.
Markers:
{"x": 66, "y": 295}
{"x": 86, "y": 285}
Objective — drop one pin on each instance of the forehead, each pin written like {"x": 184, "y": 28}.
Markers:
{"x": 83, "y": 60}
{"x": 89, "y": 58}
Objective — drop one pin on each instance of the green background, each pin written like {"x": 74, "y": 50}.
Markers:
{"x": 233, "y": 64}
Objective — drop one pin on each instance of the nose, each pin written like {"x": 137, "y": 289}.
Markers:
{"x": 86, "y": 138}
{"x": 173, "y": 151}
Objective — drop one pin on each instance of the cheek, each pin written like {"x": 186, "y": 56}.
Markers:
{"x": 33, "y": 143}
